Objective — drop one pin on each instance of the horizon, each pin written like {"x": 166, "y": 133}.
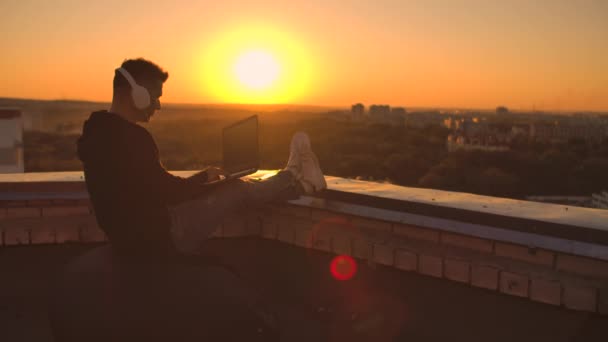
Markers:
{"x": 546, "y": 56}
{"x": 328, "y": 107}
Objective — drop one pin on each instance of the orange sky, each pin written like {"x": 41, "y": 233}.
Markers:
{"x": 547, "y": 55}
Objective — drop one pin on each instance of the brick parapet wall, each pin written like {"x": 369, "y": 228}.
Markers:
{"x": 541, "y": 275}
{"x": 48, "y": 221}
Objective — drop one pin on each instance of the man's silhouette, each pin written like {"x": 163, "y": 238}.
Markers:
{"x": 131, "y": 191}
{"x": 151, "y": 216}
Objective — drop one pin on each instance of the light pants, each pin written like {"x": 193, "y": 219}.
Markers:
{"x": 196, "y": 220}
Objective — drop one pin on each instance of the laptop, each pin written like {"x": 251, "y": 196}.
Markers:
{"x": 240, "y": 148}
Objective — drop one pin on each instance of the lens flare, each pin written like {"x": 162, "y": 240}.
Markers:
{"x": 343, "y": 267}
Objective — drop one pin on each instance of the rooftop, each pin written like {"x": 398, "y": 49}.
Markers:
{"x": 432, "y": 264}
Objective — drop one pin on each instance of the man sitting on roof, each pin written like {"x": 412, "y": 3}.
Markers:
{"x": 153, "y": 218}
{"x": 131, "y": 191}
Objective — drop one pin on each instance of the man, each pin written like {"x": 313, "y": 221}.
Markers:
{"x": 156, "y": 220}
{"x": 132, "y": 193}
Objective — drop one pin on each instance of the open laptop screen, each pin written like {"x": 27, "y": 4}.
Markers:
{"x": 240, "y": 146}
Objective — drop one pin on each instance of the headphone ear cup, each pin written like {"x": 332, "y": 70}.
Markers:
{"x": 141, "y": 97}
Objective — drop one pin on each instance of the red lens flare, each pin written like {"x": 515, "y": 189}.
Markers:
{"x": 343, "y": 267}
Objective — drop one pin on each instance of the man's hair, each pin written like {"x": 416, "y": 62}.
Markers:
{"x": 143, "y": 71}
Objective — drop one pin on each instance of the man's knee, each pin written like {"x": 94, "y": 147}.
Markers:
{"x": 234, "y": 191}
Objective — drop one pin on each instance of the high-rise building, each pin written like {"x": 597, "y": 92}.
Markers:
{"x": 357, "y": 112}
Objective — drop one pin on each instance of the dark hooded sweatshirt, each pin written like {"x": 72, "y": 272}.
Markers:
{"x": 129, "y": 188}
{"x": 130, "y": 191}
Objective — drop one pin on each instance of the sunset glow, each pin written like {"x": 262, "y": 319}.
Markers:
{"x": 261, "y": 65}
{"x": 543, "y": 55}
{"x": 256, "y": 69}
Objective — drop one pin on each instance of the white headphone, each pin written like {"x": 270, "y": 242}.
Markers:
{"x": 139, "y": 94}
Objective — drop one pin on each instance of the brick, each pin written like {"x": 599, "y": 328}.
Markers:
{"x": 430, "y": 265}
{"x": 218, "y": 232}
{"x": 39, "y": 202}
{"x": 92, "y": 234}
{"x": 362, "y": 248}
{"x": 42, "y": 235}
{"x": 65, "y": 211}
{"x": 580, "y": 298}
{"x": 41, "y": 230}
{"x": 66, "y": 234}
{"x": 235, "y": 226}
{"x": 406, "y": 260}
{"x": 304, "y": 237}
{"x": 603, "y": 301}
{"x": 67, "y": 202}
{"x": 287, "y": 226}
{"x": 2, "y": 213}
{"x": 457, "y": 270}
{"x": 468, "y": 242}
{"x": 321, "y": 240}
{"x": 545, "y": 291}
{"x": 364, "y": 223}
{"x": 335, "y": 225}
{"x": 523, "y": 253}
{"x": 416, "y": 233}
{"x": 286, "y": 233}
{"x": 269, "y": 230}
{"x": 322, "y": 215}
{"x": 341, "y": 244}
{"x": 514, "y": 284}
{"x": 83, "y": 201}
{"x": 13, "y": 203}
{"x": 22, "y": 212}
{"x": 293, "y": 221}
{"x": 254, "y": 225}
{"x": 292, "y": 210}
{"x": 87, "y": 230}
{"x": 384, "y": 254}
{"x": 484, "y": 276}
{"x": 16, "y": 236}
{"x": 581, "y": 265}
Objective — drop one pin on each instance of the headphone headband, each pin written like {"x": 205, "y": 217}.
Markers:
{"x": 127, "y": 76}
{"x": 139, "y": 94}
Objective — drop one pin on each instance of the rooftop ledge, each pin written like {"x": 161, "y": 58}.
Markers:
{"x": 568, "y": 229}
{"x": 553, "y": 254}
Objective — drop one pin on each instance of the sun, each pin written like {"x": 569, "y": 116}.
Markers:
{"x": 256, "y": 69}
{"x": 256, "y": 64}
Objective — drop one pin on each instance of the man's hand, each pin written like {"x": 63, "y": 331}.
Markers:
{"x": 215, "y": 174}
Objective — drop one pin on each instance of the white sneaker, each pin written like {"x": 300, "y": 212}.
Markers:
{"x": 303, "y": 163}
{"x": 294, "y": 164}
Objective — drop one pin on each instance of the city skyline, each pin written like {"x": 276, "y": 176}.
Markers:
{"x": 440, "y": 54}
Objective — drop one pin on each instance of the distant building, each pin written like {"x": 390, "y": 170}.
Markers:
{"x": 487, "y": 143}
{"x": 502, "y": 110}
{"x": 466, "y": 126}
{"x": 398, "y": 111}
{"x": 11, "y": 141}
{"x": 379, "y": 113}
{"x": 520, "y": 130}
{"x": 384, "y": 115}
{"x": 357, "y": 112}
{"x": 449, "y": 123}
